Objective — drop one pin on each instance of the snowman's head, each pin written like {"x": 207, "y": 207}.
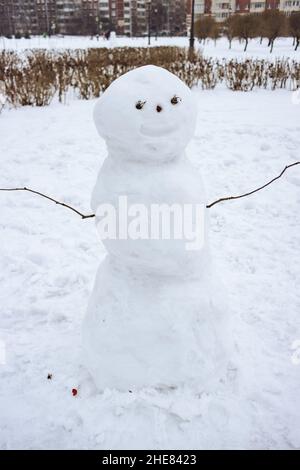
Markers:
{"x": 147, "y": 114}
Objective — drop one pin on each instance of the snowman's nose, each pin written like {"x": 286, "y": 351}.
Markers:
{"x": 158, "y": 108}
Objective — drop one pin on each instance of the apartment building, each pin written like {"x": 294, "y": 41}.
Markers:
{"x": 288, "y": 6}
{"x": 220, "y": 10}
{"x": 40, "y": 16}
{"x": 130, "y": 17}
{"x": 167, "y": 17}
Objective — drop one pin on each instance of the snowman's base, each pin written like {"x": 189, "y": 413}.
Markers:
{"x": 150, "y": 331}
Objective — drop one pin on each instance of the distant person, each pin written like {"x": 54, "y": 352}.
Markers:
{"x": 107, "y": 34}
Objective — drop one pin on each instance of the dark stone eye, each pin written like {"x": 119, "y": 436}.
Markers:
{"x": 140, "y": 104}
{"x": 175, "y": 99}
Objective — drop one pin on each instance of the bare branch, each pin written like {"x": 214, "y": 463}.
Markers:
{"x": 83, "y": 216}
{"x": 88, "y": 216}
{"x": 229, "y": 198}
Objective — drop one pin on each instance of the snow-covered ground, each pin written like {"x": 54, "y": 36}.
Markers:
{"x": 283, "y": 47}
{"x": 49, "y": 257}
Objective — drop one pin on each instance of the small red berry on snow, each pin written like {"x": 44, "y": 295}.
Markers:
{"x": 74, "y": 392}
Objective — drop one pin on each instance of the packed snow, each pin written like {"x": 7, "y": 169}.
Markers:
{"x": 283, "y": 47}
{"x": 154, "y": 318}
{"x": 49, "y": 258}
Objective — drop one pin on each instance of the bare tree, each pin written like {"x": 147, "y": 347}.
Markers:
{"x": 246, "y": 27}
{"x": 215, "y": 32}
{"x": 86, "y": 23}
{"x": 158, "y": 17}
{"x": 230, "y": 28}
{"x": 273, "y": 24}
{"x": 204, "y": 27}
{"x": 294, "y": 27}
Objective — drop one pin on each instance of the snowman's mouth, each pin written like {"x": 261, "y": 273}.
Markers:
{"x": 155, "y": 131}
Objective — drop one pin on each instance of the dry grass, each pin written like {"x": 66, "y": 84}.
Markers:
{"x": 37, "y": 76}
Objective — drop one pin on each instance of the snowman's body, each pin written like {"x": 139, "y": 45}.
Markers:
{"x": 154, "y": 318}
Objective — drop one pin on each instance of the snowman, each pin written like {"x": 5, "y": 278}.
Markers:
{"x": 156, "y": 317}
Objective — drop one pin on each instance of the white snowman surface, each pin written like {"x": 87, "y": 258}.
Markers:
{"x": 156, "y": 317}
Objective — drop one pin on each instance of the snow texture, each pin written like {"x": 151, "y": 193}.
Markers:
{"x": 49, "y": 258}
{"x": 283, "y": 47}
{"x": 155, "y": 317}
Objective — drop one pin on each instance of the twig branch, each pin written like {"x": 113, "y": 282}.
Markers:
{"x": 83, "y": 216}
{"x": 229, "y": 198}
{"x": 88, "y": 216}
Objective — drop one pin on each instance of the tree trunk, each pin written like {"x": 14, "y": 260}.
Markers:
{"x": 297, "y": 43}
{"x": 230, "y": 41}
{"x": 261, "y": 39}
{"x": 246, "y": 44}
{"x": 272, "y": 44}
